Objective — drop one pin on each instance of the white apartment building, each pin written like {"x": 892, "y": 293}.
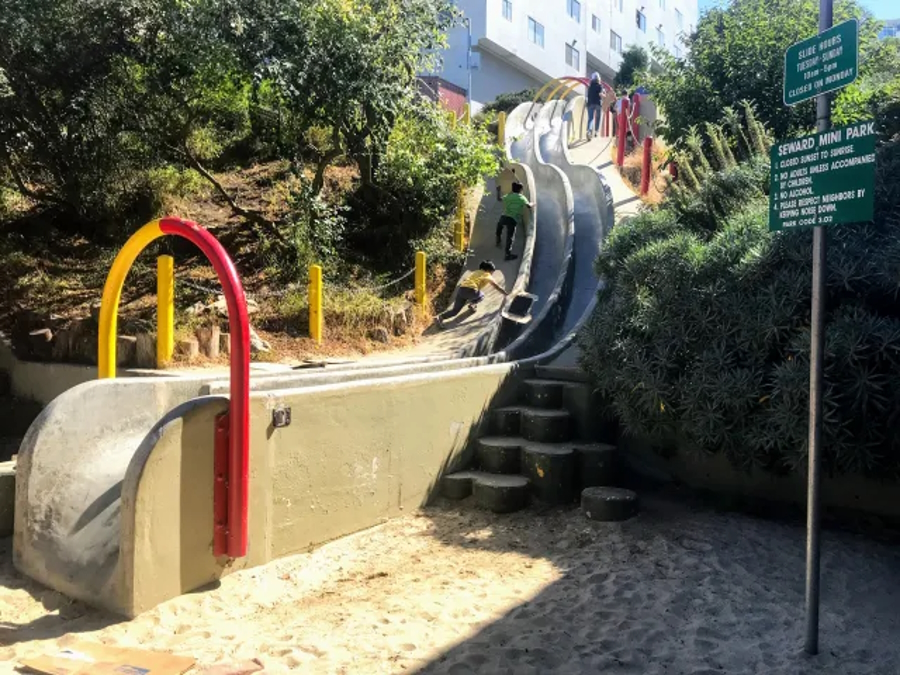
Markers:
{"x": 519, "y": 44}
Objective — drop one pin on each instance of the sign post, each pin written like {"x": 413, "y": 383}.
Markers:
{"x": 820, "y": 180}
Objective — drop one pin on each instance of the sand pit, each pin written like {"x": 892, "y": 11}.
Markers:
{"x": 675, "y": 591}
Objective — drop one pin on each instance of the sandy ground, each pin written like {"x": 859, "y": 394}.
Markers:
{"x": 679, "y": 590}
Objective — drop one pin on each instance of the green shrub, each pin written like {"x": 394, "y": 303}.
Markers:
{"x": 417, "y": 184}
{"x": 508, "y": 102}
{"x": 700, "y": 339}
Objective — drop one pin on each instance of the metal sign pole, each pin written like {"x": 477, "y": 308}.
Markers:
{"x": 816, "y": 368}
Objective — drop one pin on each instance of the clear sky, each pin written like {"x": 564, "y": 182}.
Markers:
{"x": 883, "y": 9}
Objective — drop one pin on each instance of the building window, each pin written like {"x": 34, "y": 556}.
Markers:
{"x": 575, "y": 10}
{"x": 507, "y": 10}
{"x": 595, "y": 23}
{"x": 573, "y": 57}
{"x": 662, "y": 4}
{"x": 679, "y": 19}
{"x": 615, "y": 42}
{"x": 641, "y": 21}
{"x": 536, "y": 32}
{"x": 619, "y": 4}
{"x": 677, "y": 52}
{"x": 660, "y": 37}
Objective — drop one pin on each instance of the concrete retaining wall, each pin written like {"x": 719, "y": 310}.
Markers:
{"x": 139, "y": 529}
{"x": 714, "y": 473}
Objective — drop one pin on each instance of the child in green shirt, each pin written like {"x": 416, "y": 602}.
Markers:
{"x": 513, "y": 205}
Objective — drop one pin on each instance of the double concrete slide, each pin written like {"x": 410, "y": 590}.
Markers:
{"x": 117, "y": 478}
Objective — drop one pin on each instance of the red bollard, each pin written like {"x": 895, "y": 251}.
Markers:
{"x": 645, "y": 166}
{"x": 623, "y": 128}
{"x": 673, "y": 170}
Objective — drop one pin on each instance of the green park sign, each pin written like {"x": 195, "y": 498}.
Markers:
{"x": 822, "y": 63}
{"x": 823, "y": 179}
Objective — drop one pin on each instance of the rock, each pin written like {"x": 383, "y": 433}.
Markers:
{"x": 379, "y": 335}
{"x": 84, "y": 349}
{"x": 189, "y": 348}
{"x": 126, "y": 350}
{"x": 95, "y": 311}
{"x": 220, "y": 306}
{"x": 196, "y": 309}
{"x": 145, "y": 351}
{"x": 62, "y": 345}
{"x": 209, "y": 338}
{"x": 257, "y": 344}
{"x": 40, "y": 343}
{"x": 225, "y": 343}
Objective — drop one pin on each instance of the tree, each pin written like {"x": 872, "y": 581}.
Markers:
{"x": 350, "y": 66}
{"x": 737, "y": 53}
{"x": 635, "y": 63}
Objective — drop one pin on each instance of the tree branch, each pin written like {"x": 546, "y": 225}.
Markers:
{"x": 23, "y": 188}
{"x": 251, "y": 216}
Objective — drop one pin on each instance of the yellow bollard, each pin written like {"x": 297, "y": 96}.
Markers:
{"x": 420, "y": 278}
{"x": 316, "y": 320}
{"x": 452, "y": 116}
{"x": 467, "y": 114}
{"x": 459, "y": 232}
{"x": 501, "y": 129}
{"x": 165, "y": 310}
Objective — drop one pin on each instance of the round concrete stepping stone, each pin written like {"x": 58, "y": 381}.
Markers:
{"x": 609, "y": 503}
{"x": 596, "y": 464}
{"x": 457, "y": 485}
{"x": 501, "y": 494}
{"x": 499, "y": 454}
{"x": 505, "y": 421}
{"x": 544, "y": 393}
{"x": 545, "y": 426}
{"x": 551, "y": 470}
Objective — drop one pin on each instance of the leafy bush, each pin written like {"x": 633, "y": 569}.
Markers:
{"x": 508, "y": 102}
{"x": 425, "y": 165}
{"x": 737, "y": 53}
{"x": 700, "y": 340}
{"x": 313, "y": 230}
{"x": 635, "y": 62}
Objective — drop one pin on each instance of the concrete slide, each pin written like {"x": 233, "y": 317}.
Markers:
{"x": 115, "y": 481}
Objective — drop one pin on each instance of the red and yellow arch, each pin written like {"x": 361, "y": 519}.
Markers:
{"x": 232, "y": 477}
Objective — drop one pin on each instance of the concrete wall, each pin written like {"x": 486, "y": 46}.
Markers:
{"x": 354, "y": 456}
{"x": 715, "y": 473}
{"x": 41, "y": 382}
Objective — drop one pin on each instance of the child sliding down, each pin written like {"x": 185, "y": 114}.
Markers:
{"x": 471, "y": 290}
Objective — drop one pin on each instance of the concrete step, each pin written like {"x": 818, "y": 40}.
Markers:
{"x": 497, "y": 493}
{"x": 551, "y": 468}
{"x": 544, "y": 393}
{"x": 499, "y": 454}
{"x": 608, "y": 503}
{"x": 561, "y": 373}
{"x": 596, "y": 464}
{"x": 539, "y": 425}
{"x": 557, "y": 471}
{"x": 7, "y": 497}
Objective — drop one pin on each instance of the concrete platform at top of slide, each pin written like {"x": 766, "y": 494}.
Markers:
{"x": 115, "y": 478}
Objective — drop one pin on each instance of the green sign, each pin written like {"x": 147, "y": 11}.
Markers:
{"x": 823, "y": 179}
{"x": 823, "y": 63}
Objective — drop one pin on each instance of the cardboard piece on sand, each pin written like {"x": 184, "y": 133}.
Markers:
{"x": 85, "y": 658}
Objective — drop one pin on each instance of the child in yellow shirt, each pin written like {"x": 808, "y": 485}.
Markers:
{"x": 471, "y": 290}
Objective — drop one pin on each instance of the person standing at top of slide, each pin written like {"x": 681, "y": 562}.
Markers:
{"x": 513, "y": 205}
{"x": 594, "y": 105}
